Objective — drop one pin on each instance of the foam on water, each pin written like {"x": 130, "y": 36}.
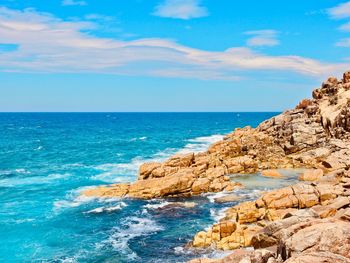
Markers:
{"x": 159, "y": 204}
{"x": 200, "y": 144}
{"x": 131, "y": 227}
{"x": 127, "y": 172}
{"x": 32, "y": 180}
{"x": 102, "y": 209}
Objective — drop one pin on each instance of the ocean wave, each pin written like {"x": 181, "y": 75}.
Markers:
{"x": 14, "y": 171}
{"x": 200, "y": 144}
{"x": 31, "y": 180}
{"x": 127, "y": 172}
{"x": 131, "y": 227}
{"x": 157, "y": 205}
{"x": 72, "y": 203}
{"x": 103, "y": 209}
{"x": 143, "y": 138}
{"x": 38, "y": 148}
{"x": 217, "y": 213}
{"x": 74, "y": 198}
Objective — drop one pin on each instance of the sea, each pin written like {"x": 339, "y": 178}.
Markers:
{"x": 48, "y": 159}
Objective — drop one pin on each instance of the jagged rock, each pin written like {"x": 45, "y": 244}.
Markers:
{"x": 317, "y": 257}
{"x": 323, "y": 236}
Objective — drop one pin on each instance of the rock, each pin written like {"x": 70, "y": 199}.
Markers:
{"x": 314, "y": 135}
{"x": 227, "y": 198}
{"x": 327, "y": 236}
{"x": 271, "y": 173}
{"x": 274, "y": 232}
{"x": 180, "y": 204}
{"x": 116, "y": 190}
{"x": 318, "y": 257}
{"x": 311, "y": 175}
{"x": 324, "y": 211}
{"x": 214, "y": 234}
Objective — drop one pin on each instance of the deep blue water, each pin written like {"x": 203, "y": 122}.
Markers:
{"x": 46, "y": 159}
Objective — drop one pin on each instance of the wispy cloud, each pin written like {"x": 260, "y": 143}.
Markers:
{"x": 345, "y": 27}
{"x": 340, "y": 11}
{"x": 48, "y": 44}
{"x": 262, "y": 38}
{"x": 73, "y": 2}
{"x": 345, "y": 42}
{"x": 180, "y": 9}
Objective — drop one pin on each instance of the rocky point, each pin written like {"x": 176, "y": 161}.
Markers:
{"x": 305, "y": 222}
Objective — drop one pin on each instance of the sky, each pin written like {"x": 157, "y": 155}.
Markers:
{"x": 168, "y": 55}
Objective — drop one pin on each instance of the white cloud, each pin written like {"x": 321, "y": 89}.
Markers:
{"x": 340, "y": 11}
{"x": 262, "y": 38}
{"x": 345, "y": 27}
{"x": 180, "y": 9}
{"x": 48, "y": 44}
{"x": 73, "y": 2}
{"x": 345, "y": 42}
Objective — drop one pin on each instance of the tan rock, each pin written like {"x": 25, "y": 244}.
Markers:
{"x": 227, "y": 198}
{"x": 272, "y": 173}
{"x": 311, "y": 175}
{"x": 116, "y": 190}
{"x": 146, "y": 169}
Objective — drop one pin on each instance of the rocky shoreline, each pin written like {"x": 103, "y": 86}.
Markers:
{"x": 305, "y": 222}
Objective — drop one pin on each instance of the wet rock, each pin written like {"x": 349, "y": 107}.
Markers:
{"x": 271, "y": 173}
{"x": 227, "y": 198}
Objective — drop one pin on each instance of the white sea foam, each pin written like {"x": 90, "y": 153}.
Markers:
{"x": 102, "y": 209}
{"x": 79, "y": 200}
{"x": 217, "y": 214}
{"x": 38, "y": 148}
{"x": 157, "y": 205}
{"x": 138, "y": 139}
{"x": 31, "y": 180}
{"x": 131, "y": 227}
{"x": 127, "y": 172}
{"x": 200, "y": 144}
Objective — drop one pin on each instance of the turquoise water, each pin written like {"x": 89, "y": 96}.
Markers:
{"x": 46, "y": 159}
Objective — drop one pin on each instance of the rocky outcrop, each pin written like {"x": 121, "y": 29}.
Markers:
{"x": 324, "y": 198}
{"x": 301, "y": 238}
{"x": 313, "y": 135}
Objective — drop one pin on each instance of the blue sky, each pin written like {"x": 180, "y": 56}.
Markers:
{"x": 168, "y": 55}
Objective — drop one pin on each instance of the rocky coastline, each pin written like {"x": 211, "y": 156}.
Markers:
{"x": 305, "y": 222}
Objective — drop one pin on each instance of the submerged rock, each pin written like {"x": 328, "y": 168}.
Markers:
{"x": 227, "y": 198}
{"x": 271, "y": 173}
